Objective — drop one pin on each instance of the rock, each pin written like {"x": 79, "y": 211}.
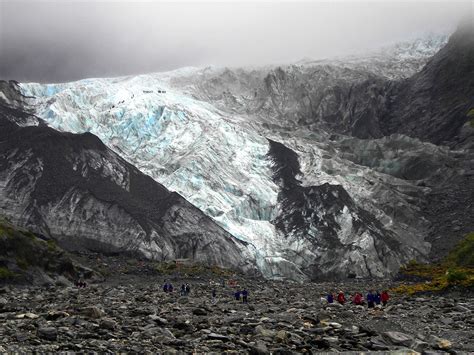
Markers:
{"x": 108, "y": 323}
{"x": 3, "y": 301}
{"x": 443, "y": 344}
{"x": 215, "y": 336}
{"x": 158, "y": 320}
{"x": 398, "y": 338}
{"x": 335, "y": 325}
{"x": 282, "y": 336}
{"x": 48, "y": 333}
{"x": 199, "y": 312}
{"x": 262, "y": 331}
{"x": 419, "y": 345}
{"x": 21, "y": 337}
{"x": 92, "y": 312}
{"x": 27, "y": 315}
{"x": 331, "y": 340}
{"x": 260, "y": 348}
{"x": 54, "y": 315}
{"x": 446, "y": 320}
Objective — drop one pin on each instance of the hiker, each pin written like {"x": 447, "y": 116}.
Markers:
{"x": 80, "y": 283}
{"x": 384, "y": 297}
{"x": 330, "y": 298}
{"x": 370, "y": 299}
{"x": 244, "y": 295}
{"x": 183, "y": 290}
{"x": 341, "y": 298}
{"x": 358, "y": 300}
{"x": 167, "y": 287}
{"x": 187, "y": 289}
{"x": 237, "y": 295}
{"x": 377, "y": 298}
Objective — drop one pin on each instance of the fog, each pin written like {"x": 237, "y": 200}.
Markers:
{"x": 68, "y": 40}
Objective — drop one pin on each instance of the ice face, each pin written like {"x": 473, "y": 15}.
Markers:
{"x": 187, "y": 145}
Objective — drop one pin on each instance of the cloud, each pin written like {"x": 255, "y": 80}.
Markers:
{"x": 63, "y": 41}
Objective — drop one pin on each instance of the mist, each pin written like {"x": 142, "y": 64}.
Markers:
{"x": 64, "y": 41}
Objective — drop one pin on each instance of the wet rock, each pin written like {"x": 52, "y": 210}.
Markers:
{"x": 48, "y": 333}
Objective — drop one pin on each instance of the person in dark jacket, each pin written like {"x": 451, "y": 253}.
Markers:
{"x": 187, "y": 289}
{"x": 377, "y": 297}
{"x": 237, "y": 295}
{"x": 245, "y": 294}
{"x": 330, "y": 298}
{"x": 370, "y": 299}
{"x": 167, "y": 287}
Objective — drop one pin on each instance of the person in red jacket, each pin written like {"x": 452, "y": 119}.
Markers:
{"x": 384, "y": 297}
{"x": 358, "y": 300}
{"x": 341, "y": 298}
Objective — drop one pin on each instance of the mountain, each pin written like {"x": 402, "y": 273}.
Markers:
{"x": 323, "y": 169}
{"x": 73, "y": 188}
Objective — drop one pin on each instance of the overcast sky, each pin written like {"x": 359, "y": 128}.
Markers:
{"x": 69, "y": 40}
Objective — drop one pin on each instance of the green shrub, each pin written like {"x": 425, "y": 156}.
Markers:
{"x": 463, "y": 253}
{"x": 6, "y": 274}
{"x": 455, "y": 275}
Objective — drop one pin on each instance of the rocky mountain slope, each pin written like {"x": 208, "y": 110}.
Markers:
{"x": 73, "y": 188}
{"x": 368, "y": 162}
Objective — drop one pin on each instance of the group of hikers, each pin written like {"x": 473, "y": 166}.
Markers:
{"x": 373, "y": 298}
{"x": 240, "y": 295}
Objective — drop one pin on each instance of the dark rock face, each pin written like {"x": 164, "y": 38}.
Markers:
{"x": 431, "y": 105}
{"x": 333, "y": 224}
{"x": 73, "y": 188}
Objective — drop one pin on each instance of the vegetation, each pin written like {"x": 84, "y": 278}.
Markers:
{"x": 470, "y": 115}
{"x": 21, "y": 251}
{"x": 6, "y": 274}
{"x": 457, "y": 269}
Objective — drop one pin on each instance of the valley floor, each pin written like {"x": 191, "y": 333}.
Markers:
{"x": 128, "y": 311}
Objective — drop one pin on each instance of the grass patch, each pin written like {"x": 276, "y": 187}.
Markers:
{"x": 457, "y": 269}
{"x": 6, "y": 274}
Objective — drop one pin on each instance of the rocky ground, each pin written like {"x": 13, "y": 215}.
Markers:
{"x": 128, "y": 311}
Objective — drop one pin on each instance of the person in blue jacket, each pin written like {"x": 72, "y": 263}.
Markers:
{"x": 370, "y": 299}
{"x": 330, "y": 298}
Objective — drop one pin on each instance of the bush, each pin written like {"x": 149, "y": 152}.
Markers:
{"x": 463, "y": 253}
{"x": 6, "y": 274}
{"x": 454, "y": 275}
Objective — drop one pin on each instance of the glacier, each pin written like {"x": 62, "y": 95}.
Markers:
{"x": 204, "y": 133}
